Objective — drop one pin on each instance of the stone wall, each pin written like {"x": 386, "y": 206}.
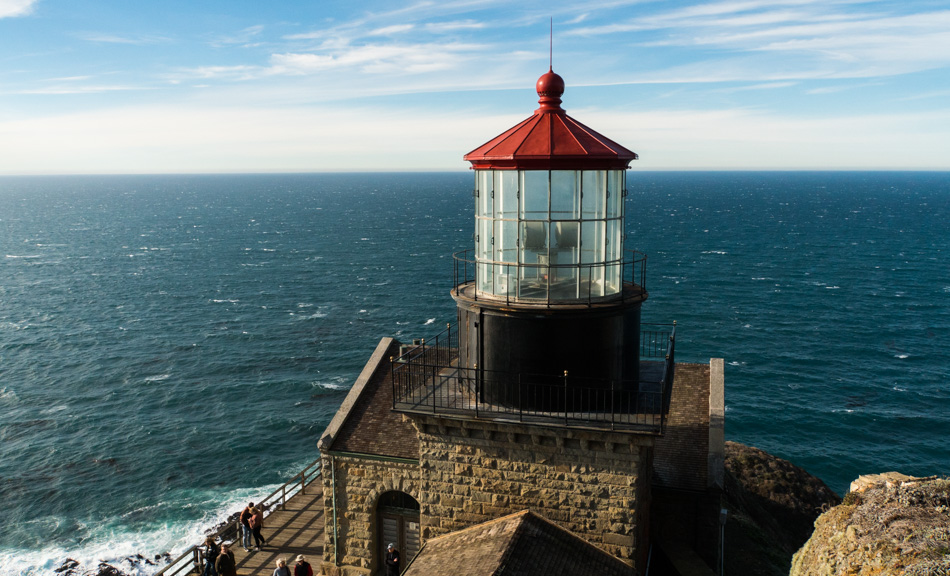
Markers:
{"x": 589, "y": 482}
{"x": 360, "y": 482}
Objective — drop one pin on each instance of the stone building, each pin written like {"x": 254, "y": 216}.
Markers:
{"x": 548, "y": 395}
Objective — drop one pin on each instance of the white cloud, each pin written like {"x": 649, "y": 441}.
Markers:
{"x": 448, "y": 27}
{"x": 391, "y": 30}
{"x": 208, "y": 138}
{"x": 10, "y": 8}
{"x": 362, "y": 61}
{"x": 116, "y": 39}
{"x": 818, "y": 39}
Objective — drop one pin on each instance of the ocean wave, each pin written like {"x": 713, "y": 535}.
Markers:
{"x": 121, "y": 540}
{"x": 158, "y": 378}
{"x": 334, "y": 384}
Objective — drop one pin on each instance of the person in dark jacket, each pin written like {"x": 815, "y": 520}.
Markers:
{"x": 246, "y": 526}
{"x": 392, "y": 560}
{"x": 211, "y": 555}
{"x": 302, "y": 567}
{"x": 225, "y": 564}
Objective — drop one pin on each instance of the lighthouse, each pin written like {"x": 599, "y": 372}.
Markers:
{"x": 547, "y": 407}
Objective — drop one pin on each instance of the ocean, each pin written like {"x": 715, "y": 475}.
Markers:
{"x": 172, "y": 346}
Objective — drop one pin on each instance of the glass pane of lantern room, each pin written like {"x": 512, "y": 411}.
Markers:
{"x": 506, "y": 194}
{"x": 506, "y": 241}
{"x": 615, "y": 183}
{"x": 565, "y": 196}
{"x": 483, "y": 238}
{"x": 613, "y": 256}
{"x": 594, "y": 194}
{"x": 533, "y": 260}
{"x": 592, "y": 254}
{"x": 614, "y": 235}
{"x": 483, "y": 190}
{"x": 485, "y": 273}
{"x": 534, "y": 195}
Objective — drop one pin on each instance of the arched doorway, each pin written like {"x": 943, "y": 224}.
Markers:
{"x": 397, "y": 516}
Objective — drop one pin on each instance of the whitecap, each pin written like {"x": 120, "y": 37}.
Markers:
{"x": 429, "y": 321}
{"x": 832, "y": 287}
{"x": 220, "y": 301}
{"x": 720, "y": 252}
{"x": 158, "y": 378}
{"x": 337, "y": 384}
{"x": 902, "y": 356}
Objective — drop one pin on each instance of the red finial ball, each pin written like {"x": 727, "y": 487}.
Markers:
{"x": 550, "y": 87}
{"x": 550, "y": 84}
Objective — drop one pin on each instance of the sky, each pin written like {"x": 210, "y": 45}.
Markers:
{"x": 167, "y": 86}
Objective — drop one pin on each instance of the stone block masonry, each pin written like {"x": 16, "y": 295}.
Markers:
{"x": 359, "y": 484}
{"x": 590, "y": 482}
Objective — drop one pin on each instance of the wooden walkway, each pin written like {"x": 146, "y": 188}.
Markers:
{"x": 297, "y": 528}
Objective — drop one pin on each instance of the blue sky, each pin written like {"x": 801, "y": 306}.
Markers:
{"x": 109, "y": 86}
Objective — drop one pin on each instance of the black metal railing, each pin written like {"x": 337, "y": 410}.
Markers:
{"x": 427, "y": 379}
{"x": 583, "y": 285}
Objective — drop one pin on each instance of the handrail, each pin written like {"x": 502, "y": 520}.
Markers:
{"x": 192, "y": 559}
{"x": 427, "y": 378}
{"x": 632, "y": 264}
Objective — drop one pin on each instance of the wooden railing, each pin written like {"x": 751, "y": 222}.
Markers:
{"x": 192, "y": 561}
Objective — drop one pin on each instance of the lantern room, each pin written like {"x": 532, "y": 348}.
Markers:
{"x": 549, "y": 208}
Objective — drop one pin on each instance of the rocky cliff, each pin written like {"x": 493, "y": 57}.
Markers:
{"x": 772, "y": 508}
{"x": 888, "y": 524}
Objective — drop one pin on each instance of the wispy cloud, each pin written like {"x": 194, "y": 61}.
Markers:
{"x": 456, "y": 26}
{"x": 11, "y": 8}
{"x": 377, "y": 60}
{"x": 824, "y": 37}
{"x": 391, "y": 30}
{"x": 103, "y": 38}
{"x": 247, "y": 37}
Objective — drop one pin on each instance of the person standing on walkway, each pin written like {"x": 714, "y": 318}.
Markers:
{"x": 392, "y": 560}
{"x": 225, "y": 564}
{"x": 256, "y": 523}
{"x": 211, "y": 554}
{"x": 282, "y": 569}
{"x": 246, "y": 527}
{"x": 302, "y": 567}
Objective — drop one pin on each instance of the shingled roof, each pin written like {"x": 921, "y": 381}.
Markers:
{"x": 521, "y": 544}
{"x": 365, "y": 422}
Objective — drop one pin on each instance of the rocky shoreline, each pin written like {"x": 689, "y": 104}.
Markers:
{"x": 782, "y": 521}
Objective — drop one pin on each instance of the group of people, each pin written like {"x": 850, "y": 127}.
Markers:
{"x": 219, "y": 560}
{"x": 252, "y": 522}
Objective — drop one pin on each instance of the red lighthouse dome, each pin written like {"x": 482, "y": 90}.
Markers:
{"x": 550, "y": 139}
